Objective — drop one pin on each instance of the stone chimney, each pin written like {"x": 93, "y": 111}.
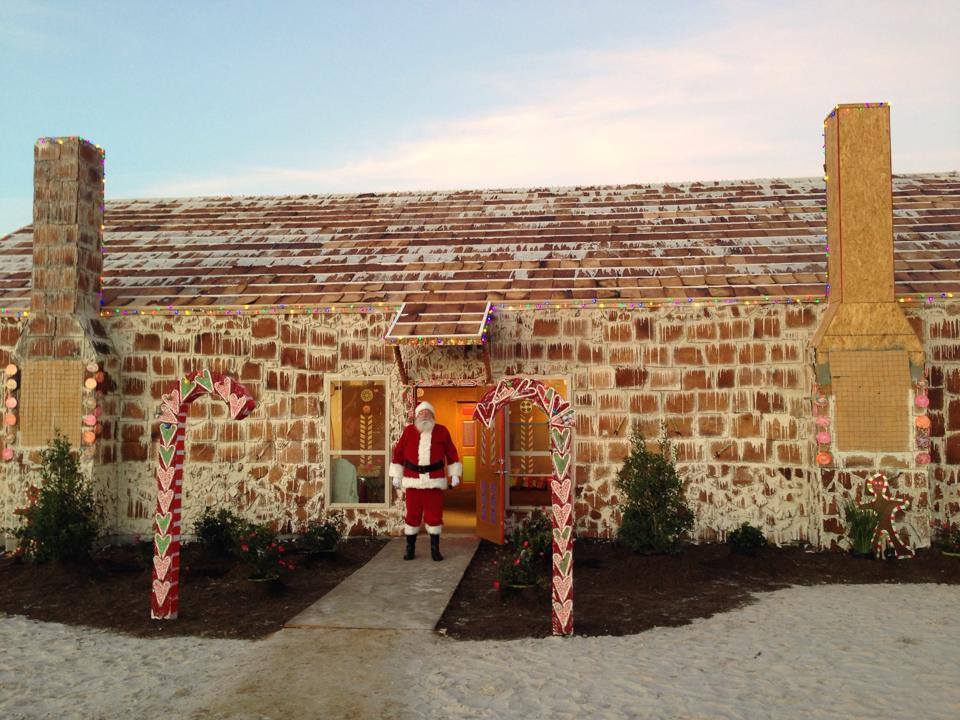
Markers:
{"x": 67, "y": 229}
{"x": 63, "y": 335}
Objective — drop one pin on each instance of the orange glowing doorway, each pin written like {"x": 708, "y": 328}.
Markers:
{"x": 454, "y": 409}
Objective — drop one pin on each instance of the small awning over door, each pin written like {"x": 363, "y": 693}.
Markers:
{"x": 440, "y": 324}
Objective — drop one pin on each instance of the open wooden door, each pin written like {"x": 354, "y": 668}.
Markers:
{"x": 490, "y": 472}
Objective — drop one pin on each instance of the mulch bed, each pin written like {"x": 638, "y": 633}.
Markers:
{"x": 617, "y": 592}
{"x": 216, "y": 599}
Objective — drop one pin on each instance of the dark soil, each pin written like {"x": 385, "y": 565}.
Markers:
{"x": 216, "y": 598}
{"x": 617, "y": 592}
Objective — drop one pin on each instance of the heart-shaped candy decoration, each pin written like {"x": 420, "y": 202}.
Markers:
{"x": 562, "y": 537}
{"x": 562, "y": 613}
{"x": 164, "y": 498}
{"x": 222, "y": 388}
{"x": 166, "y": 454}
{"x": 562, "y": 514}
{"x": 168, "y": 415}
{"x": 160, "y": 591}
{"x": 162, "y": 543}
{"x": 562, "y": 490}
{"x": 562, "y": 562}
{"x": 560, "y": 463}
{"x": 168, "y": 431}
{"x": 162, "y": 566}
{"x": 237, "y": 404}
{"x": 163, "y": 522}
{"x": 165, "y": 477}
{"x": 187, "y": 387}
{"x": 562, "y": 587}
{"x": 205, "y": 380}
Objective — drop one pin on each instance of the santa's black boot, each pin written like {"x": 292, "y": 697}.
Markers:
{"x": 411, "y": 544}
{"x": 435, "y": 547}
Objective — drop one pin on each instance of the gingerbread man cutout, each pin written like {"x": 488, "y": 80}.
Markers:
{"x": 886, "y": 508}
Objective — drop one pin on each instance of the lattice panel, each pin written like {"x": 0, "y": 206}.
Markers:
{"x": 50, "y": 400}
{"x": 872, "y": 390}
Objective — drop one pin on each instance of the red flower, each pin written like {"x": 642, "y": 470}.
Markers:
{"x": 496, "y": 584}
{"x": 526, "y": 543}
{"x": 245, "y": 548}
{"x": 281, "y": 548}
{"x": 517, "y": 561}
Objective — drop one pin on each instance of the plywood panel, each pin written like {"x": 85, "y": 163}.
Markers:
{"x": 865, "y": 199}
{"x": 872, "y": 390}
{"x": 50, "y": 401}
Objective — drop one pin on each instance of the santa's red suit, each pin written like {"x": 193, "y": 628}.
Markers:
{"x": 418, "y": 463}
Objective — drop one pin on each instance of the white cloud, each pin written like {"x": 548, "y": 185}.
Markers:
{"x": 744, "y": 99}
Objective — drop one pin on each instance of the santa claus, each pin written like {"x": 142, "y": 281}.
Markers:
{"x": 418, "y": 466}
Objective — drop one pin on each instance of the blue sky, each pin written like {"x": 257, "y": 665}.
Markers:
{"x": 207, "y": 98}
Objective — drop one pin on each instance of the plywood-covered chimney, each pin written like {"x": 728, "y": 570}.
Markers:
{"x": 866, "y": 350}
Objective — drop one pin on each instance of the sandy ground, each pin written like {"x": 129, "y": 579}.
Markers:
{"x": 869, "y": 651}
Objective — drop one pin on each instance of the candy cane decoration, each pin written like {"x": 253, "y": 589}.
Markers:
{"x": 165, "y": 592}
{"x": 560, "y": 415}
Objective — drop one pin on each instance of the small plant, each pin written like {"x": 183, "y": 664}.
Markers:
{"x": 746, "y": 540}
{"x": 534, "y": 532}
{"x": 946, "y": 537}
{"x": 860, "y": 525}
{"x": 324, "y": 534}
{"x": 260, "y": 550}
{"x": 61, "y": 521}
{"x": 217, "y": 530}
{"x": 655, "y": 513}
{"x": 519, "y": 568}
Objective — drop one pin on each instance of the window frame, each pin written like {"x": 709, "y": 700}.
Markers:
{"x": 508, "y": 505}
{"x": 328, "y": 452}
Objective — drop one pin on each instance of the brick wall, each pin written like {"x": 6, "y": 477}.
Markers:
{"x": 732, "y": 385}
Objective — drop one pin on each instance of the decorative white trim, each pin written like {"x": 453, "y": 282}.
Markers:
{"x": 410, "y": 529}
{"x": 396, "y": 470}
{"x": 455, "y": 470}
{"x": 423, "y": 449}
{"x": 425, "y": 483}
{"x": 434, "y": 529}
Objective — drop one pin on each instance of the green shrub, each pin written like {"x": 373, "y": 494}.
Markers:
{"x": 519, "y": 568}
{"x": 61, "y": 522}
{"x": 324, "y": 534}
{"x": 860, "y": 525}
{"x": 655, "y": 513}
{"x": 746, "y": 540}
{"x": 217, "y": 530}
{"x": 260, "y": 550}
{"x": 946, "y": 536}
{"x": 534, "y": 532}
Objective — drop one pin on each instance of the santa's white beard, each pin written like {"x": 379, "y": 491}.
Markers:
{"x": 425, "y": 426}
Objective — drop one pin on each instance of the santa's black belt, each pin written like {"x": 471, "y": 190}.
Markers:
{"x": 423, "y": 468}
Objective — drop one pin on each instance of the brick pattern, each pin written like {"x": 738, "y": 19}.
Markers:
{"x": 941, "y": 328}
{"x": 731, "y": 384}
{"x": 67, "y": 227}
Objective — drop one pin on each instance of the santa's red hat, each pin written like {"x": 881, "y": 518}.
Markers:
{"x": 424, "y": 406}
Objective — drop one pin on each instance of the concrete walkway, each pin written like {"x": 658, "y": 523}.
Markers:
{"x": 389, "y": 593}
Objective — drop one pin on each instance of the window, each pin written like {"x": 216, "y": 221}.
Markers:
{"x": 358, "y": 453}
{"x": 529, "y": 457}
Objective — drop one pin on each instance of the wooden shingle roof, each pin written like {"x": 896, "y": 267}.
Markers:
{"x": 729, "y": 239}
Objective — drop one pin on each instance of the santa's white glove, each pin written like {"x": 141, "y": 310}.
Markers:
{"x": 396, "y": 483}
{"x": 454, "y": 481}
